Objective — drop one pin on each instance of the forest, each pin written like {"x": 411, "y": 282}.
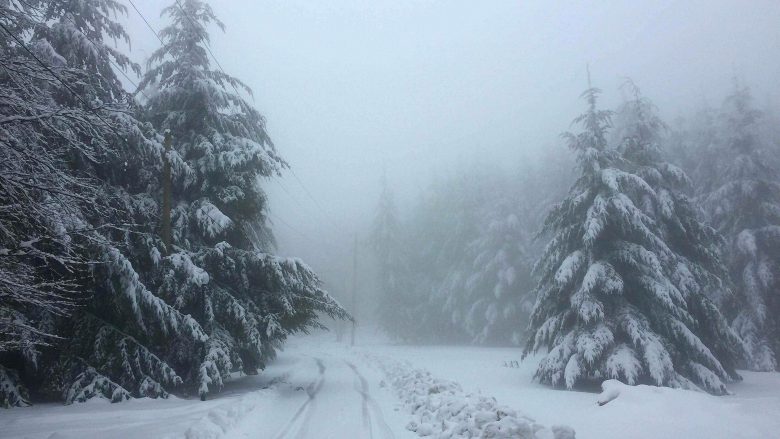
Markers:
{"x": 143, "y": 261}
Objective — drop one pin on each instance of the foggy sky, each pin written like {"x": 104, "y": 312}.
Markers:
{"x": 353, "y": 87}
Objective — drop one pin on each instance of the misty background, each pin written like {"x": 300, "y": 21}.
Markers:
{"x": 415, "y": 89}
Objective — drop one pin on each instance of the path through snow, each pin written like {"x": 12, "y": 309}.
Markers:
{"x": 338, "y": 403}
{"x": 327, "y": 394}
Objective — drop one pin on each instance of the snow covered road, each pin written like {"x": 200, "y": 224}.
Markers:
{"x": 337, "y": 402}
{"x": 310, "y": 391}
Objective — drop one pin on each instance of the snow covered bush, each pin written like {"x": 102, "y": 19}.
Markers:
{"x": 92, "y": 384}
{"x": 618, "y": 297}
{"x": 12, "y": 391}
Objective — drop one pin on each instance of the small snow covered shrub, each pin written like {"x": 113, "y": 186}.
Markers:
{"x": 12, "y": 391}
{"x": 90, "y": 384}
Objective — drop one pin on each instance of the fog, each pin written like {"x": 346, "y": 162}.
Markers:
{"x": 352, "y": 88}
{"x": 498, "y": 198}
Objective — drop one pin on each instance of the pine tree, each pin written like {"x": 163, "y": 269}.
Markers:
{"x": 609, "y": 304}
{"x": 395, "y": 305}
{"x": 487, "y": 278}
{"x": 98, "y": 358}
{"x": 744, "y": 205}
{"x": 445, "y": 224}
{"x": 246, "y": 300}
{"x": 698, "y": 273}
{"x": 465, "y": 255}
{"x": 48, "y": 124}
{"x": 493, "y": 302}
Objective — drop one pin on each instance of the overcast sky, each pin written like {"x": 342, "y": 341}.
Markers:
{"x": 353, "y": 87}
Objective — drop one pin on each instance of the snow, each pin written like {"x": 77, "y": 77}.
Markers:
{"x": 318, "y": 388}
{"x": 211, "y": 220}
{"x": 441, "y": 409}
{"x": 639, "y": 412}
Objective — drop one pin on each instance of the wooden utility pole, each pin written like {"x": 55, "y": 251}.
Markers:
{"x": 166, "y": 197}
{"x": 354, "y": 290}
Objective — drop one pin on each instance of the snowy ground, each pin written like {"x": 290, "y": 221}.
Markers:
{"x": 640, "y": 412}
{"x": 322, "y": 389}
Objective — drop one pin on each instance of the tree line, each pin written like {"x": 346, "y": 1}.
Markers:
{"x": 657, "y": 262}
{"x": 97, "y": 297}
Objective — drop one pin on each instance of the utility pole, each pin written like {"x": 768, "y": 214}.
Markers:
{"x": 354, "y": 290}
{"x": 166, "y": 198}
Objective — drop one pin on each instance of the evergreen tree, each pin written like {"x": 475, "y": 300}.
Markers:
{"x": 744, "y": 205}
{"x": 395, "y": 305}
{"x": 49, "y": 123}
{"x": 609, "y": 300}
{"x": 698, "y": 272}
{"x": 109, "y": 340}
{"x": 488, "y": 295}
{"x": 443, "y": 227}
{"x": 247, "y": 301}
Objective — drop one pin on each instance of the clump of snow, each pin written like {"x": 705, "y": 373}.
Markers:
{"x": 610, "y": 391}
{"x": 195, "y": 274}
{"x": 211, "y": 220}
{"x": 441, "y": 409}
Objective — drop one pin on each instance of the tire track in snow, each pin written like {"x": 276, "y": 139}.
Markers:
{"x": 303, "y": 414}
{"x": 369, "y": 405}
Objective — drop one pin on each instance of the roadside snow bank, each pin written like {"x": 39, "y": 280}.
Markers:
{"x": 440, "y": 408}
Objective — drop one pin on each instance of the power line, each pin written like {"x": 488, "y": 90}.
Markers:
{"x": 219, "y": 65}
{"x": 146, "y": 21}
{"x": 208, "y": 48}
{"x": 75, "y": 26}
{"x": 48, "y": 69}
{"x": 305, "y": 189}
{"x": 285, "y": 223}
{"x": 289, "y": 194}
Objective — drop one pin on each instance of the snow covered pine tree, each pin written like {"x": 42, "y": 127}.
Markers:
{"x": 50, "y": 124}
{"x": 396, "y": 299}
{"x": 245, "y": 299}
{"x": 488, "y": 288}
{"x": 107, "y": 344}
{"x": 744, "y": 205}
{"x": 615, "y": 299}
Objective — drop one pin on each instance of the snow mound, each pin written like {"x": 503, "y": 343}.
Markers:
{"x": 441, "y": 409}
{"x": 610, "y": 389}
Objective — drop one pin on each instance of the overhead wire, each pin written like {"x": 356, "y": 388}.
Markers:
{"x": 207, "y": 47}
{"x": 60, "y": 80}
{"x": 146, "y": 21}
{"x": 219, "y": 65}
{"x": 94, "y": 110}
{"x": 75, "y": 26}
